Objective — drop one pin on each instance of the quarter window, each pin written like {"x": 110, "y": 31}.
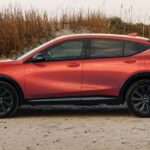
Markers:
{"x": 103, "y": 48}
{"x": 132, "y": 48}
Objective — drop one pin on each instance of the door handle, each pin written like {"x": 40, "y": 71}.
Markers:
{"x": 130, "y": 61}
{"x": 73, "y": 65}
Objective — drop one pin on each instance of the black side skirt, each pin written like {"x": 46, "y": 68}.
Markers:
{"x": 86, "y": 100}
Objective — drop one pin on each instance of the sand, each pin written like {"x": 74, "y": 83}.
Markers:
{"x": 74, "y": 128}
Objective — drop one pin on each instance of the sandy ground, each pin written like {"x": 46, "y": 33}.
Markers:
{"x": 74, "y": 128}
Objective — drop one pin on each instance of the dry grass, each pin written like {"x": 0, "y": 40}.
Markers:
{"x": 21, "y": 31}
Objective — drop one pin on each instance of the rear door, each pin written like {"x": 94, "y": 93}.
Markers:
{"x": 105, "y": 69}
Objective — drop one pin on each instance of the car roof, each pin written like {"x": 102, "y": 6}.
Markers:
{"x": 104, "y": 35}
{"x": 86, "y": 35}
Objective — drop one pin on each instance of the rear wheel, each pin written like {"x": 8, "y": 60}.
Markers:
{"x": 138, "y": 98}
{"x": 9, "y": 99}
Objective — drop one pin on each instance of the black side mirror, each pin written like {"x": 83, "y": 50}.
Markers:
{"x": 38, "y": 58}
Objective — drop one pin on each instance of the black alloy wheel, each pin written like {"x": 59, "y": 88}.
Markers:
{"x": 138, "y": 98}
{"x": 8, "y": 99}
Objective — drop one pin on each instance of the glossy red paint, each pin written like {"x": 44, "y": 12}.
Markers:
{"x": 106, "y": 76}
{"x": 52, "y": 79}
{"x": 101, "y": 76}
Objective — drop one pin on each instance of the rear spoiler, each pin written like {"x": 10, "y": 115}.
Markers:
{"x": 134, "y": 34}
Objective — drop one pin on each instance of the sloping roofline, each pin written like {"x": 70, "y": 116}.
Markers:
{"x": 79, "y": 35}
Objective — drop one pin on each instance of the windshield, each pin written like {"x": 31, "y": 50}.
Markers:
{"x": 34, "y": 50}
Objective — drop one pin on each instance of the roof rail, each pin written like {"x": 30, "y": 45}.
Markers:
{"x": 134, "y": 34}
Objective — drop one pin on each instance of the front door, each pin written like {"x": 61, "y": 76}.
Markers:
{"x": 60, "y": 75}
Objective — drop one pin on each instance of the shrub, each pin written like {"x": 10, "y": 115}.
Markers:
{"x": 21, "y": 31}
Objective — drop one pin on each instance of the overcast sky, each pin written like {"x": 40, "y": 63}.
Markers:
{"x": 140, "y": 8}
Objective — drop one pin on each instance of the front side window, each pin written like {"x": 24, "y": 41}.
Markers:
{"x": 64, "y": 51}
{"x": 105, "y": 48}
{"x": 132, "y": 48}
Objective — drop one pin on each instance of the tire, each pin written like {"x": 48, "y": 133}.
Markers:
{"x": 138, "y": 98}
{"x": 9, "y": 100}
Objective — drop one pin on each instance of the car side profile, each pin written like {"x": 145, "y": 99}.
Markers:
{"x": 81, "y": 69}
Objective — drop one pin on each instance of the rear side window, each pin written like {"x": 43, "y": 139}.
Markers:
{"x": 132, "y": 48}
{"x": 105, "y": 48}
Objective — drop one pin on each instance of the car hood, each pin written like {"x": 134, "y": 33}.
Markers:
{"x": 6, "y": 60}
{"x": 9, "y": 61}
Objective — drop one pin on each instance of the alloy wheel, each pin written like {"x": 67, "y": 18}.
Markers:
{"x": 140, "y": 98}
{"x": 6, "y": 100}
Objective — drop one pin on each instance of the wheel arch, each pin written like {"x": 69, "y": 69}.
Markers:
{"x": 129, "y": 81}
{"x": 15, "y": 84}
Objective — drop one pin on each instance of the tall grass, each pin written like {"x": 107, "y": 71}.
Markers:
{"x": 21, "y": 31}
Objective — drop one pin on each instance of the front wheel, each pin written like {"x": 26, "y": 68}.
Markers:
{"x": 138, "y": 98}
{"x": 9, "y": 99}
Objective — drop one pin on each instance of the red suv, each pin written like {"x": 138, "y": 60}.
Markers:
{"x": 85, "y": 69}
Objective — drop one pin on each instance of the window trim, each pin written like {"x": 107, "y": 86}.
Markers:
{"x": 86, "y": 49}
